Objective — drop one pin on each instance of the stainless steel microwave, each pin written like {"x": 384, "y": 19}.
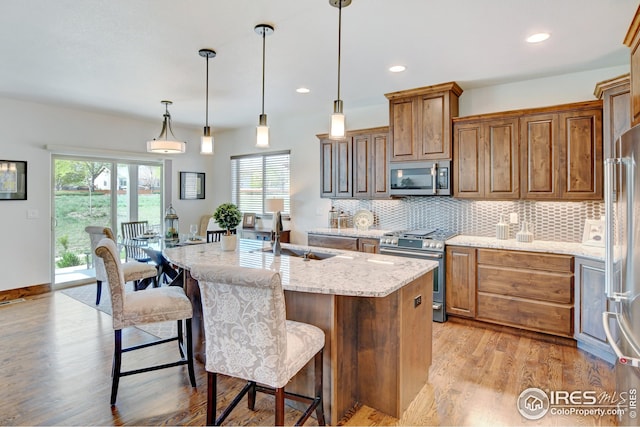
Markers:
{"x": 420, "y": 178}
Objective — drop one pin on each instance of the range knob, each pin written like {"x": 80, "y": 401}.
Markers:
{"x": 432, "y": 245}
{"x": 439, "y": 246}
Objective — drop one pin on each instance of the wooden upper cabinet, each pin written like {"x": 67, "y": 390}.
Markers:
{"x": 355, "y": 167}
{"x": 485, "y": 158}
{"x": 370, "y": 168}
{"x": 562, "y": 154}
{"x": 551, "y": 153}
{"x": 401, "y": 118}
{"x": 616, "y": 110}
{"x": 632, "y": 40}
{"x": 336, "y": 165}
{"x": 327, "y": 168}
{"x": 540, "y": 156}
{"x": 380, "y": 169}
{"x": 468, "y": 160}
{"x": 581, "y": 166}
{"x": 420, "y": 122}
{"x": 363, "y": 165}
{"x": 501, "y": 168}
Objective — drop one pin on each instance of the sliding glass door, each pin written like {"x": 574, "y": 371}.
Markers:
{"x": 87, "y": 191}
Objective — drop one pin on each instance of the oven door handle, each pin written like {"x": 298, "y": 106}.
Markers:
{"x": 414, "y": 254}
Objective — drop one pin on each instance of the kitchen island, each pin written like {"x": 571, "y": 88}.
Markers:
{"x": 375, "y": 311}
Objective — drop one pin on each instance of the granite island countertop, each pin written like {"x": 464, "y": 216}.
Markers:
{"x": 546, "y": 246}
{"x": 347, "y": 273}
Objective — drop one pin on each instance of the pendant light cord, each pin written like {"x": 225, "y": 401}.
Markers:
{"x": 206, "y": 109}
{"x": 264, "y": 33}
{"x": 339, "y": 41}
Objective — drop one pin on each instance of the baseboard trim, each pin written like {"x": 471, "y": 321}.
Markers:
{"x": 554, "y": 339}
{"x": 27, "y": 291}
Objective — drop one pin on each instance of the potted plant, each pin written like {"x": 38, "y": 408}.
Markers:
{"x": 228, "y": 216}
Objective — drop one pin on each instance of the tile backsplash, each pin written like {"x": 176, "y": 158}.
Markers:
{"x": 555, "y": 221}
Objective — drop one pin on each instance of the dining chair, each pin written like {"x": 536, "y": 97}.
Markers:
{"x": 204, "y": 224}
{"x": 139, "y": 308}
{"x": 133, "y": 271}
{"x": 131, "y": 230}
{"x": 214, "y": 235}
{"x": 247, "y": 336}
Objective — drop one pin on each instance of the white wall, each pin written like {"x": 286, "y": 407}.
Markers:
{"x": 25, "y": 252}
{"x": 25, "y": 255}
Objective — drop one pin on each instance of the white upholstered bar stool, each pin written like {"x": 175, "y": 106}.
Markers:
{"x": 248, "y": 337}
{"x": 139, "y": 308}
{"x": 134, "y": 271}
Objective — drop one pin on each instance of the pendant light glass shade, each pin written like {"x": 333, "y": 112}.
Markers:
{"x": 337, "y": 121}
{"x": 338, "y": 128}
{"x": 262, "y": 133}
{"x": 262, "y": 130}
{"x": 166, "y": 142}
{"x": 206, "y": 140}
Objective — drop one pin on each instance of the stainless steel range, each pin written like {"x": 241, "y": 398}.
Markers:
{"x": 425, "y": 244}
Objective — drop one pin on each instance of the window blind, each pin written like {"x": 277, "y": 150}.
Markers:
{"x": 256, "y": 177}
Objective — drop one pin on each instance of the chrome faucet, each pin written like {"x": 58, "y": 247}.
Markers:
{"x": 277, "y": 229}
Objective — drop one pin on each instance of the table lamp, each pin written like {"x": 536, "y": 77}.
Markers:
{"x": 275, "y": 206}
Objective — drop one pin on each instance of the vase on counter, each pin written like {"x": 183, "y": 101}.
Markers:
{"x": 525, "y": 235}
{"x": 502, "y": 228}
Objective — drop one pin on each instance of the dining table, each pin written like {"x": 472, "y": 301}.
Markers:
{"x": 150, "y": 247}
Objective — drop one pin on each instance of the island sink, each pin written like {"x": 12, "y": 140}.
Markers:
{"x": 300, "y": 253}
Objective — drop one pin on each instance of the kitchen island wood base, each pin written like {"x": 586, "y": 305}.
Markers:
{"x": 377, "y": 350}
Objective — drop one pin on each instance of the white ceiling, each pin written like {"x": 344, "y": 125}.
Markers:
{"x": 124, "y": 56}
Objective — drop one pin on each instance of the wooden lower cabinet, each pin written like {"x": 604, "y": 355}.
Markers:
{"x": 521, "y": 289}
{"x": 591, "y": 302}
{"x": 526, "y": 290}
{"x": 371, "y": 246}
{"x": 460, "y": 281}
{"x": 360, "y": 244}
{"x": 377, "y": 352}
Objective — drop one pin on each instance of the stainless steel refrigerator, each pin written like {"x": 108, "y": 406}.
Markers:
{"x": 622, "y": 265}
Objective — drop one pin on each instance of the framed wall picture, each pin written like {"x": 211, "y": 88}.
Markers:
{"x": 593, "y": 233}
{"x": 191, "y": 185}
{"x": 249, "y": 220}
{"x": 13, "y": 180}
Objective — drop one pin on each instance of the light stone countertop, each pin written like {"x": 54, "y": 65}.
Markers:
{"x": 563, "y": 248}
{"x": 348, "y": 273}
{"x": 372, "y": 233}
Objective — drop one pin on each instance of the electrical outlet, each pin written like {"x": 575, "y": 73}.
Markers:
{"x": 417, "y": 301}
{"x": 513, "y": 218}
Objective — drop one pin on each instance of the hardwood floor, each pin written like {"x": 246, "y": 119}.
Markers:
{"x": 55, "y": 363}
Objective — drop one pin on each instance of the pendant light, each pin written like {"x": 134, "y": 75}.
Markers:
{"x": 166, "y": 142}
{"x": 262, "y": 130}
{"x": 206, "y": 140}
{"x": 337, "y": 118}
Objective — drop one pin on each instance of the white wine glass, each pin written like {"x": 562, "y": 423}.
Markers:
{"x": 193, "y": 229}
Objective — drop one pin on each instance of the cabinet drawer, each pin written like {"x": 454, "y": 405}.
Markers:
{"x": 533, "y": 260}
{"x": 528, "y": 314}
{"x": 335, "y": 242}
{"x": 538, "y": 285}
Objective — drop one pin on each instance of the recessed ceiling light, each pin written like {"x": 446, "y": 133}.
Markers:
{"x": 302, "y": 90}
{"x": 538, "y": 37}
{"x": 397, "y": 68}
